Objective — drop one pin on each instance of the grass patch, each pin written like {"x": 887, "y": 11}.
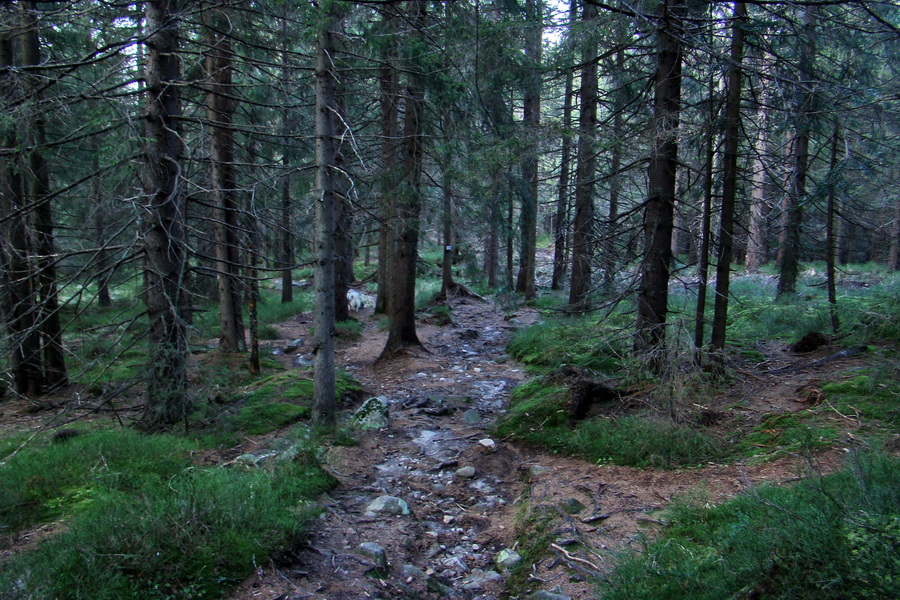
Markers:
{"x": 826, "y": 538}
{"x": 538, "y": 415}
{"x": 573, "y": 341}
{"x": 787, "y": 432}
{"x": 348, "y": 331}
{"x": 873, "y": 396}
{"x": 44, "y": 480}
{"x": 194, "y": 537}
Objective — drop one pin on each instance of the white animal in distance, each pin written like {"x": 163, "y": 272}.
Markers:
{"x": 354, "y": 300}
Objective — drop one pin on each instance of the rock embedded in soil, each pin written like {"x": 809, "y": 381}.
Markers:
{"x": 572, "y": 506}
{"x": 488, "y": 445}
{"x": 466, "y": 472}
{"x": 375, "y": 552}
{"x": 390, "y": 505}
{"x": 472, "y": 417}
{"x": 507, "y": 559}
{"x": 535, "y": 471}
{"x": 373, "y": 414}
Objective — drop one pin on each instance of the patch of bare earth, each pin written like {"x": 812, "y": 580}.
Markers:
{"x": 444, "y": 399}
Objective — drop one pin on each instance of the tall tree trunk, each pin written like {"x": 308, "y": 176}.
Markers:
{"x": 402, "y": 330}
{"x": 166, "y": 399}
{"x": 829, "y": 233}
{"x": 389, "y": 83}
{"x": 561, "y": 219}
{"x": 447, "y": 283}
{"x": 101, "y": 262}
{"x": 54, "y": 362}
{"x": 286, "y": 240}
{"x": 582, "y": 236}
{"x": 324, "y": 407}
{"x": 531, "y": 115}
{"x": 492, "y": 248}
{"x": 615, "y": 182}
{"x": 705, "y": 223}
{"x": 653, "y": 293}
{"x": 19, "y": 287}
{"x": 220, "y": 112}
{"x": 343, "y": 236}
{"x": 895, "y": 237}
{"x": 730, "y": 177}
{"x": 803, "y": 111}
{"x": 756, "y": 240}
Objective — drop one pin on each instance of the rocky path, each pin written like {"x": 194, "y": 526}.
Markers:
{"x": 427, "y": 505}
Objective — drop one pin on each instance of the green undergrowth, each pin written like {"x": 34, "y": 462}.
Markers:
{"x": 824, "y": 538}
{"x": 265, "y": 405}
{"x": 586, "y": 342}
{"x": 868, "y": 310}
{"x": 143, "y": 522}
{"x": 534, "y": 529}
{"x": 539, "y": 416}
{"x": 780, "y": 433}
{"x": 872, "y": 396}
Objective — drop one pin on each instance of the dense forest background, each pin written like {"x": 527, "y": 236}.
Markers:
{"x": 179, "y": 152}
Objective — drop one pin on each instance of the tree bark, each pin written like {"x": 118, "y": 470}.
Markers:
{"x": 829, "y": 234}
{"x": 343, "y": 236}
{"x": 653, "y": 293}
{"x": 531, "y": 115}
{"x": 561, "y": 219}
{"x": 803, "y": 111}
{"x": 19, "y": 283}
{"x": 53, "y": 357}
{"x": 402, "y": 330}
{"x": 757, "y": 248}
{"x": 389, "y": 83}
{"x": 582, "y": 236}
{"x": 166, "y": 399}
{"x": 730, "y": 177}
{"x": 324, "y": 407}
{"x": 615, "y": 182}
{"x": 220, "y": 113}
{"x": 447, "y": 283}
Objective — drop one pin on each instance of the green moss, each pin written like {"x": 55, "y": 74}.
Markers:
{"x": 262, "y": 418}
{"x": 787, "y": 432}
{"x": 871, "y": 397}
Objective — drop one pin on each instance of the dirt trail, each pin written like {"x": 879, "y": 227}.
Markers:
{"x": 443, "y": 403}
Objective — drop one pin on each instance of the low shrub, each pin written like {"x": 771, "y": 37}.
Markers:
{"x": 825, "y": 538}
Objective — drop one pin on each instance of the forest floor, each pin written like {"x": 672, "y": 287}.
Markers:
{"x": 444, "y": 400}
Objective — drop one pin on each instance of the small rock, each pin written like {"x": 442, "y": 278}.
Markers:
{"x": 488, "y": 445}
{"x": 373, "y": 414}
{"x": 375, "y": 552}
{"x": 448, "y": 519}
{"x": 466, "y": 472}
{"x": 433, "y": 584}
{"x": 411, "y": 573}
{"x": 471, "y": 417}
{"x": 304, "y": 360}
{"x": 507, "y": 558}
{"x": 572, "y": 506}
{"x": 293, "y": 346}
{"x": 535, "y": 471}
{"x": 390, "y": 505}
